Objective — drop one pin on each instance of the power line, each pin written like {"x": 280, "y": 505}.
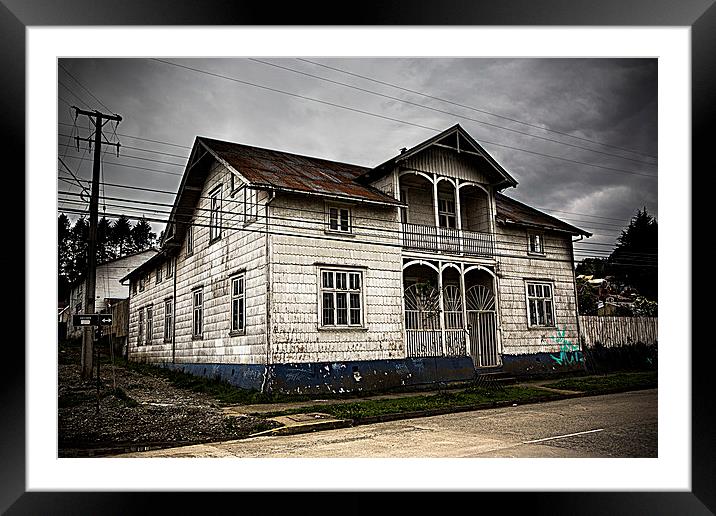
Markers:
{"x": 143, "y": 139}
{"x": 83, "y": 87}
{"x": 475, "y": 109}
{"x": 339, "y": 106}
{"x": 423, "y": 106}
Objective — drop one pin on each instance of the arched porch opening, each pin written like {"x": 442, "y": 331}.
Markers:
{"x": 481, "y": 316}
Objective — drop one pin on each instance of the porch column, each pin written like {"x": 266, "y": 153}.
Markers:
{"x": 464, "y": 309}
{"x": 458, "y": 215}
{"x": 435, "y": 209}
{"x": 442, "y": 308}
{"x": 498, "y": 316}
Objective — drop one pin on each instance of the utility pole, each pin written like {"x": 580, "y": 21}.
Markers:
{"x": 98, "y": 119}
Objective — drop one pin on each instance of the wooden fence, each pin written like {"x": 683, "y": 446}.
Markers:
{"x": 618, "y": 331}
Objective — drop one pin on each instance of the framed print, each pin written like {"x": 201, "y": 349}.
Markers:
{"x": 193, "y": 46}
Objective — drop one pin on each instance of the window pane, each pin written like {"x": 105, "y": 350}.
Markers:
{"x": 327, "y": 279}
{"x": 242, "y": 316}
{"x": 355, "y": 300}
{"x": 235, "y": 287}
{"x": 327, "y": 309}
{"x": 341, "y": 309}
{"x": 341, "y": 280}
{"x": 540, "y": 313}
{"x": 547, "y": 291}
{"x": 240, "y": 281}
{"x": 451, "y": 222}
{"x": 333, "y": 218}
{"x": 234, "y": 314}
{"x": 355, "y": 316}
{"x": 530, "y": 290}
{"x": 538, "y": 290}
{"x": 355, "y": 281}
{"x": 532, "y": 312}
{"x": 344, "y": 220}
{"x": 548, "y": 313}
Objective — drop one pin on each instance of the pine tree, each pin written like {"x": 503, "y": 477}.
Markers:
{"x": 105, "y": 251}
{"x": 634, "y": 261}
{"x": 142, "y": 236}
{"x": 121, "y": 237}
{"x": 78, "y": 249}
{"x": 63, "y": 257}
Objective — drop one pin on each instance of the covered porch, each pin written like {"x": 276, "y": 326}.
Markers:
{"x": 451, "y": 309}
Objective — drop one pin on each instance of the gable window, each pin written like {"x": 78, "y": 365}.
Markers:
{"x": 536, "y": 243}
{"x": 238, "y": 304}
{"x": 341, "y": 298}
{"x": 170, "y": 267}
{"x": 339, "y": 219}
{"x": 168, "y": 319}
{"x": 215, "y": 215}
{"x": 140, "y": 326}
{"x": 190, "y": 239}
{"x": 251, "y": 208}
{"x": 540, "y": 304}
{"x": 148, "y": 333}
{"x": 159, "y": 274}
{"x": 446, "y": 212}
{"x": 198, "y": 311}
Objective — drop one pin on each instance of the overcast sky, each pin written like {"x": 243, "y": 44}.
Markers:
{"x": 605, "y": 101}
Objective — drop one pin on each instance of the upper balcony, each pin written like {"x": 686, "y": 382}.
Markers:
{"x": 446, "y": 215}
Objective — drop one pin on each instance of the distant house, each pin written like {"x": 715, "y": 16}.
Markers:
{"x": 297, "y": 274}
{"x": 108, "y": 288}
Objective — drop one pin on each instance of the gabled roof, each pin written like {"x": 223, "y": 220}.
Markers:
{"x": 455, "y": 134}
{"x": 287, "y": 172}
{"x": 510, "y": 211}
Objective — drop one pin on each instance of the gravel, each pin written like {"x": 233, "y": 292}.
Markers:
{"x": 136, "y": 412}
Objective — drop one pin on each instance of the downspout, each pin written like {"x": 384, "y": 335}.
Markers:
{"x": 174, "y": 314}
{"x": 268, "y": 292}
{"x": 576, "y": 297}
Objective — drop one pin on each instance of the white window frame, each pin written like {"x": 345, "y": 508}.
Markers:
{"x": 336, "y": 288}
{"x": 158, "y": 275}
{"x": 404, "y": 211}
{"x": 140, "y": 327}
{"x": 168, "y": 319}
{"x": 340, "y": 221}
{"x": 197, "y": 310}
{"x": 240, "y": 298}
{"x": 540, "y": 236}
{"x": 539, "y": 297}
{"x": 150, "y": 325}
{"x": 170, "y": 267}
{"x": 215, "y": 202}
{"x": 250, "y": 201}
{"x": 445, "y": 213}
{"x": 190, "y": 239}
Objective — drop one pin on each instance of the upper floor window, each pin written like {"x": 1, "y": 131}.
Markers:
{"x": 215, "y": 215}
{"x": 341, "y": 300}
{"x": 159, "y": 274}
{"x": 170, "y": 267}
{"x": 134, "y": 287}
{"x": 404, "y": 210}
{"x": 339, "y": 219}
{"x": 251, "y": 208}
{"x": 141, "y": 283}
{"x": 536, "y": 243}
{"x": 540, "y": 304}
{"x": 446, "y": 212}
{"x": 190, "y": 239}
{"x": 198, "y": 313}
{"x": 238, "y": 304}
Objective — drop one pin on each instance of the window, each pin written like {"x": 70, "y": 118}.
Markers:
{"x": 339, "y": 219}
{"x": 190, "y": 239}
{"x": 148, "y": 333}
{"x": 159, "y": 274}
{"x": 446, "y": 212}
{"x": 404, "y": 211}
{"x": 141, "y": 283}
{"x": 198, "y": 309}
{"x": 540, "y": 304}
{"x": 536, "y": 245}
{"x": 238, "y": 304}
{"x": 170, "y": 267}
{"x": 251, "y": 208}
{"x": 134, "y": 287}
{"x": 341, "y": 298}
{"x": 168, "y": 319}
{"x": 215, "y": 215}
{"x": 140, "y": 337}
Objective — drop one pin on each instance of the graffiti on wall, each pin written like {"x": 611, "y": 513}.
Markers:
{"x": 569, "y": 353}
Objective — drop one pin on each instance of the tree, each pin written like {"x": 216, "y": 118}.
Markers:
{"x": 78, "y": 247}
{"x": 634, "y": 261}
{"x": 63, "y": 257}
{"x": 142, "y": 236}
{"x": 592, "y": 267}
{"x": 586, "y": 298}
{"x": 121, "y": 237}
{"x": 105, "y": 250}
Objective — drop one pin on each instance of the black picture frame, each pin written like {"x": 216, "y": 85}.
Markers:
{"x": 16, "y": 15}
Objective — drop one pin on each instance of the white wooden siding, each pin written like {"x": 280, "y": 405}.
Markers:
{"x": 296, "y": 336}
{"x": 515, "y": 267}
{"x": 447, "y": 163}
{"x": 241, "y": 248}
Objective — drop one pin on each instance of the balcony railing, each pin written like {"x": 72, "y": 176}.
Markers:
{"x": 434, "y": 239}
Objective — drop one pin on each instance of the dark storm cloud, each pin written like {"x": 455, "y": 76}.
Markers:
{"x": 613, "y": 101}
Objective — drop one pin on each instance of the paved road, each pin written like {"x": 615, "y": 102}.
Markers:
{"x": 615, "y": 425}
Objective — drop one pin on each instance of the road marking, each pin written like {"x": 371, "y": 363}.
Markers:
{"x": 561, "y": 436}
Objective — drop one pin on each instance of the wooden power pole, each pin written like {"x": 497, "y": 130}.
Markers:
{"x": 88, "y": 337}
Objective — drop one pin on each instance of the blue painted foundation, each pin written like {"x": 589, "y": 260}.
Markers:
{"x": 543, "y": 363}
{"x": 336, "y": 377}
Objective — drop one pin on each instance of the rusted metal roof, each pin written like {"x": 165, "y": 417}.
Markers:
{"x": 510, "y": 211}
{"x": 283, "y": 171}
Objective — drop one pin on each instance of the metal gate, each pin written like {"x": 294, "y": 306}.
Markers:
{"x": 454, "y": 327}
{"x": 482, "y": 324}
{"x": 422, "y": 321}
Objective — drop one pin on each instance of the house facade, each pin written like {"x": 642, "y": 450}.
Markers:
{"x": 288, "y": 273}
{"x": 108, "y": 289}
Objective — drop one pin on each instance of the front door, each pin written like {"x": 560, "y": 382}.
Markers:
{"x": 482, "y": 325}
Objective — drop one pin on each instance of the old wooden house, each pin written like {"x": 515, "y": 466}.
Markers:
{"x": 291, "y": 273}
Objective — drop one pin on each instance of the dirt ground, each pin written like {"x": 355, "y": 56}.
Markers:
{"x": 136, "y": 412}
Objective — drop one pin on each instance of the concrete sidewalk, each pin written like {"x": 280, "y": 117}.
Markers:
{"x": 315, "y": 421}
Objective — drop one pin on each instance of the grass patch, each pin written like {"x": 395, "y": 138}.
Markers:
{"x": 123, "y": 396}
{"x": 608, "y": 383}
{"x": 469, "y": 397}
{"x": 74, "y": 399}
